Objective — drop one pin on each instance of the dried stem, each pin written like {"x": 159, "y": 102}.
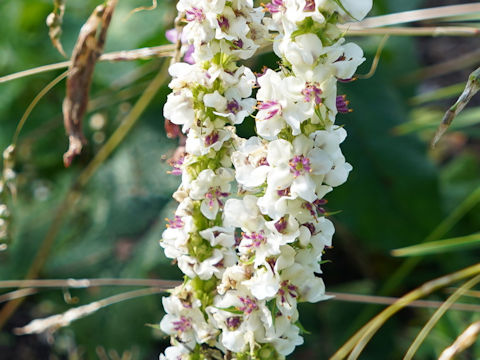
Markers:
{"x": 415, "y": 31}
{"x": 168, "y": 50}
{"x": 471, "y": 89}
{"x": 86, "y": 283}
{"x": 384, "y": 300}
{"x": 416, "y": 15}
{"x": 17, "y": 294}
{"x": 376, "y": 59}
{"x": 463, "y": 342}
{"x": 125, "y": 55}
{"x": 438, "y": 315}
{"x": 55, "y": 322}
{"x": 355, "y": 345}
{"x": 31, "y": 285}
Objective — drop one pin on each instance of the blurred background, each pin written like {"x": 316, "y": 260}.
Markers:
{"x": 399, "y": 192}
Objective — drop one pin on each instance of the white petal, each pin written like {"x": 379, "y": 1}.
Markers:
{"x": 304, "y": 187}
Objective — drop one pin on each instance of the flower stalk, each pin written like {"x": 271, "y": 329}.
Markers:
{"x": 248, "y": 261}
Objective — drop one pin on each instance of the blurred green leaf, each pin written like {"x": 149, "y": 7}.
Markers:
{"x": 440, "y": 246}
{"x": 425, "y": 118}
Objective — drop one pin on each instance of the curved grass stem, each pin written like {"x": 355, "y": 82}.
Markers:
{"x": 355, "y": 345}
{"x": 437, "y": 316}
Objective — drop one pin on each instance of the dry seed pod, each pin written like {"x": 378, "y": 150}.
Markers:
{"x": 88, "y": 49}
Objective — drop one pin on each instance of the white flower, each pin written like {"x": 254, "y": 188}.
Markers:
{"x": 293, "y": 164}
{"x": 218, "y": 236}
{"x": 206, "y": 268}
{"x": 243, "y": 214}
{"x": 284, "y": 336}
{"x": 250, "y": 161}
{"x": 211, "y": 187}
{"x": 300, "y": 282}
{"x": 179, "y": 109}
{"x": 201, "y": 17}
{"x": 348, "y": 62}
{"x": 236, "y": 104}
{"x": 185, "y": 321}
{"x": 264, "y": 284}
{"x": 231, "y": 278}
{"x": 199, "y": 144}
{"x": 241, "y": 318}
{"x": 275, "y": 202}
{"x": 303, "y": 51}
{"x": 266, "y": 281}
{"x": 281, "y": 102}
{"x": 339, "y": 173}
{"x": 178, "y": 352}
{"x": 175, "y": 237}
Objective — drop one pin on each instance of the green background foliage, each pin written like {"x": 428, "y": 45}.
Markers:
{"x": 397, "y": 194}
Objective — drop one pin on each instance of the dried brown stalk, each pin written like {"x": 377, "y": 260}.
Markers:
{"x": 55, "y": 322}
{"x": 472, "y": 87}
{"x": 416, "y": 15}
{"x": 54, "y": 23}
{"x": 142, "y": 8}
{"x": 86, "y": 53}
{"x": 463, "y": 342}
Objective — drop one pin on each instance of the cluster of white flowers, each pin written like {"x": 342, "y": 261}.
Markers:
{"x": 248, "y": 261}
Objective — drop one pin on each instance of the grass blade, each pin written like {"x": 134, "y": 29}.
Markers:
{"x": 440, "y": 246}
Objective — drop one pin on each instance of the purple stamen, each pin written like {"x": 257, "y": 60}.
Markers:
{"x": 272, "y": 262}
{"x": 256, "y": 239}
{"x": 310, "y": 227}
{"x": 342, "y": 104}
{"x": 182, "y": 325}
{"x": 300, "y": 165}
{"x": 195, "y": 14}
{"x": 233, "y": 323}
{"x": 312, "y": 92}
{"x": 309, "y": 207}
{"x": 233, "y": 107}
{"x": 214, "y": 194}
{"x": 309, "y": 5}
{"x": 284, "y": 192}
{"x": 281, "y": 225}
{"x": 176, "y": 167}
{"x": 238, "y": 44}
{"x": 275, "y": 6}
{"x": 223, "y": 23}
{"x": 273, "y": 108}
{"x": 249, "y": 305}
{"x": 287, "y": 288}
{"x": 319, "y": 206}
{"x": 211, "y": 138}
{"x": 176, "y": 223}
{"x": 263, "y": 162}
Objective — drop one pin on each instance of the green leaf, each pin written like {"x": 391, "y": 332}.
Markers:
{"x": 231, "y": 309}
{"x": 153, "y": 326}
{"x": 440, "y": 246}
{"x": 302, "y": 329}
{"x": 272, "y": 306}
{"x": 339, "y": 3}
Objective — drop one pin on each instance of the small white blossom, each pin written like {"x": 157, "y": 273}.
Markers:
{"x": 185, "y": 321}
{"x": 211, "y": 188}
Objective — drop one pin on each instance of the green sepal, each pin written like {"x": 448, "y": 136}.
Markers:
{"x": 231, "y": 309}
